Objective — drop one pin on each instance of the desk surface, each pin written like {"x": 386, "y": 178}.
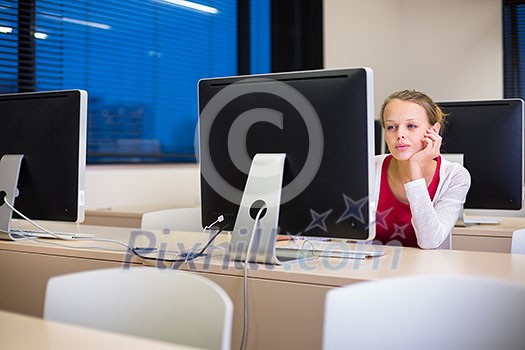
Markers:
{"x": 26, "y": 332}
{"x": 504, "y": 228}
{"x": 287, "y": 297}
{"x": 397, "y": 261}
{"x": 489, "y": 238}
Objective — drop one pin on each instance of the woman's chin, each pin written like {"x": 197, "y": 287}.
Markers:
{"x": 402, "y": 155}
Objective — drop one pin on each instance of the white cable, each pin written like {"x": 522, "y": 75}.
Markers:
{"x": 220, "y": 218}
{"x": 32, "y": 223}
{"x": 245, "y": 280}
{"x": 191, "y": 252}
{"x": 36, "y": 239}
{"x": 49, "y": 242}
{"x": 305, "y": 242}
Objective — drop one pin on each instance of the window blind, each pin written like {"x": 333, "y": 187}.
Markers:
{"x": 514, "y": 48}
{"x": 9, "y": 46}
{"x": 139, "y": 60}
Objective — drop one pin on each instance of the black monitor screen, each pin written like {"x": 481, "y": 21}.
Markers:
{"x": 323, "y": 121}
{"x": 380, "y": 143}
{"x": 489, "y": 135}
{"x": 49, "y": 130}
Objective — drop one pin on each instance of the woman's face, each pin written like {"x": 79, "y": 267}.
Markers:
{"x": 405, "y": 126}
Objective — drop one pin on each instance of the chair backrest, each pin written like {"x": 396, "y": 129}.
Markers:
{"x": 180, "y": 219}
{"x": 518, "y": 242}
{"x": 170, "y": 305}
{"x": 420, "y": 312}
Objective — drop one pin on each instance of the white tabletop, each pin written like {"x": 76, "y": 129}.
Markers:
{"x": 26, "y": 332}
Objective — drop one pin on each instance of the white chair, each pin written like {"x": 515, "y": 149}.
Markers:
{"x": 180, "y": 219}
{"x": 425, "y": 312}
{"x": 170, "y": 305}
{"x": 518, "y": 242}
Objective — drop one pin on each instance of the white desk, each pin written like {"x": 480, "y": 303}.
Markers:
{"x": 487, "y": 237}
{"x": 26, "y": 332}
{"x": 286, "y": 303}
{"x": 482, "y": 238}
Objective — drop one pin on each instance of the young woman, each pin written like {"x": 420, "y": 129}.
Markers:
{"x": 420, "y": 194}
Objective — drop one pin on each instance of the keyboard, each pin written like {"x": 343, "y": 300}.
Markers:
{"x": 335, "y": 253}
{"x": 469, "y": 221}
{"x": 343, "y": 253}
{"x": 17, "y": 233}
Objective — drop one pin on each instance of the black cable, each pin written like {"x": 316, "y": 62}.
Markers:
{"x": 189, "y": 257}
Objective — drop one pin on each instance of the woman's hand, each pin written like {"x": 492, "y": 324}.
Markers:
{"x": 432, "y": 144}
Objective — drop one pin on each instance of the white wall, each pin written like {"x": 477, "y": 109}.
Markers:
{"x": 149, "y": 186}
{"x": 450, "y": 49}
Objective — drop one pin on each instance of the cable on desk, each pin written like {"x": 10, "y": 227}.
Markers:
{"x": 188, "y": 256}
{"x": 32, "y": 223}
{"x": 219, "y": 219}
{"x": 57, "y": 236}
{"x": 185, "y": 256}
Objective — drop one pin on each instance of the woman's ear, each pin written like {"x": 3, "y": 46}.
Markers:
{"x": 436, "y": 127}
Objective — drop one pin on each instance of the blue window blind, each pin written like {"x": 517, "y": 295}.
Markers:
{"x": 260, "y": 37}
{"x": 514, "y": 48}
{"x": 139, "y": 60}
{"x": 8, "y": 46}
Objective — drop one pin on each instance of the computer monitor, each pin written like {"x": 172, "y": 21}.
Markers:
{"x": 322, "y": 125}
{"x": 489, "y": 136}
{"x": 43, "y": 152}
{"x": 379, "y": 134}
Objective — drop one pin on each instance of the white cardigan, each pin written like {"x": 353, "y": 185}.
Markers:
{"x": 433, "y": 221}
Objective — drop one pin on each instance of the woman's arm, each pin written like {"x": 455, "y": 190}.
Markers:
{"x": 433, "y": 222}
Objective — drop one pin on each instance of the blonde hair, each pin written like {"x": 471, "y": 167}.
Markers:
{"x": 434, "y": 112}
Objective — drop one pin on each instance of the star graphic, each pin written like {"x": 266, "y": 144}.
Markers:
{"x": 318, "y": 220}
{"x": 381, "y": 217}
{"x": 352, "y": 209}
{"x": 399, "y": 231}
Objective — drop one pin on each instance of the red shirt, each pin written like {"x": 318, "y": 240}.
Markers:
{"x": 393, "y": 218}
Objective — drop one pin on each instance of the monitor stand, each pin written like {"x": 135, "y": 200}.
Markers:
{"x": 9, "y": 171}
{"x": 262, "y": 192}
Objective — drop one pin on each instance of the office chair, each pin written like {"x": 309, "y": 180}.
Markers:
{"x": 169, "y": 305}
{"x": 518, "y": 242}
{"x": 425, "y": 312}
{"x": 180, "y": 219}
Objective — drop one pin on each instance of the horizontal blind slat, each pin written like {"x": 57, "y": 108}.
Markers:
{"x": 139, "y": 60}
